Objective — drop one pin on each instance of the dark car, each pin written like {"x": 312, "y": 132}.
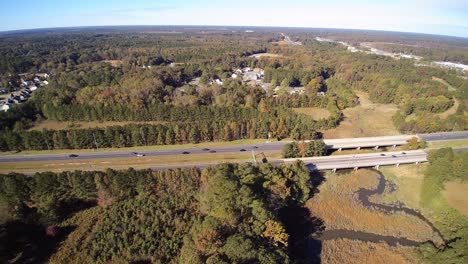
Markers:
{"x": 382, "y": 154}
{"x": 243, "y": 150}
{"x": 393, "y": 156}
{"x": 185, "y": 152}
{"x": 404, "y": 153}
{"x": 72, "y": 156}
{"x": 206, "y": 149}
{"x": 255, "y": 147}
{"x": 212, "y": 151}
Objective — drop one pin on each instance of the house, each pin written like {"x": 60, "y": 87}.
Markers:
{"x": 321, "y": 93}
{"x": 218, "y": 81}
{"x": 3, "y": 90}
{"x": 238, "y": 71}
{"x": 32, "y": 87}
{"x": 247, "y": 69}
{"x": 36, "y": 79}
{"x": 43, "y": 75}
{"x": 251, "y": 76}
{"x": 259, "y": 71}
{"x": 296, "y": 90}
{"x": 5, "y": 107}
{"x": 234, "y": 76}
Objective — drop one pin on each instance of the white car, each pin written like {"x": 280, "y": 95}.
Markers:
{"x": 140, "y": 155}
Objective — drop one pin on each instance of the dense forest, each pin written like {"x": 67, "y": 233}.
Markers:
{"x": 140, "y": 76}
{"x": 225, "y": 214}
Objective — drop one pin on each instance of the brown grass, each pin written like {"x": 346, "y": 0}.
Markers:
{"x": 315, "y": 112}
{"x": 57, "y": 125}
{"x": 456, "y": 195}
{"x": 337, "y": 205}
{"x": 281, "y": 43}
{"x": 409, "y": 179}
{"x": 114, "y": 63}
{"x": 351, "y": 251}
{"x": 365, "y": 120}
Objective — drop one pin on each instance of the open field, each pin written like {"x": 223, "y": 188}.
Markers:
{"x": 58, "y": 125}
{"x": 132, "y": 161}
{"x": 443, "y": 214}
{"x": 365, "y": 120}
{"x": 315, "y": 112}
{"x": 114, "y": 63}
{"x": 337, "y": 205}
{"x": 281, "y": 43}
{"x": 352, "y": 251}
{"x": 456, "y": 194}
{"x": 409, "y": 179}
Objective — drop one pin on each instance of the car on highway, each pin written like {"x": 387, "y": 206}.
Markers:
{"x": 212, "y": 151}
{"x": 72, "y": 155}
{"x": 206, "y": 149}
{"x": 382, "y": 154}
{"x": 404, "y": 153}
{"x": 185, "y": 152}
{"x": 255, "y": 147}
{"x": 393, "y": 156}
{"x": 242, "y": 150}
{"x": 140, "y": 154}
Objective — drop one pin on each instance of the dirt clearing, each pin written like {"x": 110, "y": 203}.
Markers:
{"x": 456, "y": 194}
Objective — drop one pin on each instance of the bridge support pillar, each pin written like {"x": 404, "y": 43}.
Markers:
{"x": 339, "y": 149}
{"x": 398, "y": 164}
{"x": 358, "y": 148}
{"x": 417, "y": 162}
{"x": 356, "y": 168}
{"x": 376, "y": 147}
{"x": 376, "y": 167}
{"x": 394, "y": 146}
{"x": 334, "y": 170}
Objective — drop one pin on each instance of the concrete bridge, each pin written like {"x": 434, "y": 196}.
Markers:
{"x": 368, "y": 142}
{"x": 357, "y": 161}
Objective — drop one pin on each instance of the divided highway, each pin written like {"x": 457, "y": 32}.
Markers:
{"x": 332, "y": 143}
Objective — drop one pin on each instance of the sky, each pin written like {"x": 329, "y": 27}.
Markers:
{"x": 444, "y": 17}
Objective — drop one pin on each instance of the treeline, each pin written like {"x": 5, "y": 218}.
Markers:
{"x": 445, "y": 165}
{"x": 161, "y": 134}
{"x": 228, "y": 213}
{"x": 427, "y": 123}
{"x": 429, "y": 105}
{"x": 303, "y": 149}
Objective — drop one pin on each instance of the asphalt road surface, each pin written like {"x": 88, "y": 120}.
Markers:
{"x": 364, "y": 160}
{"x": 188, "y": 151}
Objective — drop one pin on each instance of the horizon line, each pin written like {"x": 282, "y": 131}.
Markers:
{"x": 239, "y": 26}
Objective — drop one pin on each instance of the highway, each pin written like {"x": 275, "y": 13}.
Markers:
{"x": 274, "y": 146}
{"x": 363, "y": 160}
